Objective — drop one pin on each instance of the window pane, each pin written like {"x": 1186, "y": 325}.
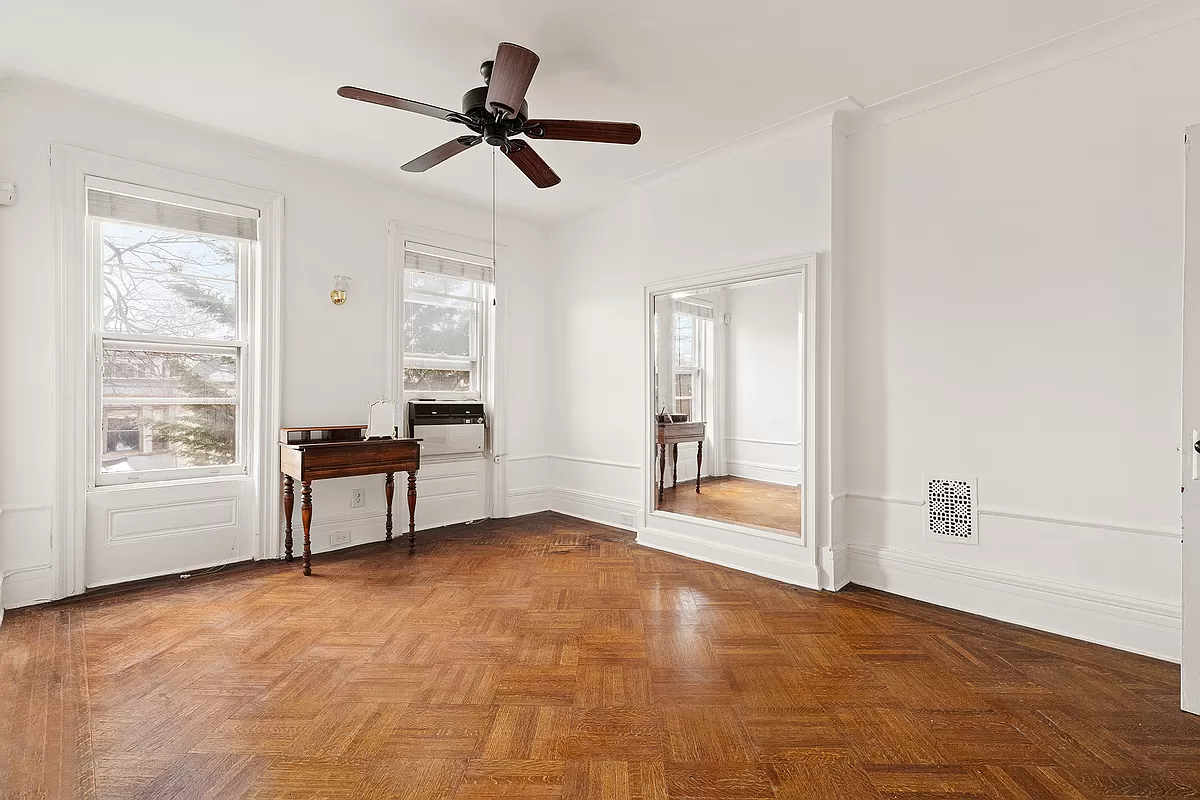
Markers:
{"x": 441, "y": 284}
{"x": 145, "y": 373}
{"x": 168, "y": 410}
{"x": 437, "y": 380}
{"x": 683, "y": 384}
{"x": 438, "y": 329}
{"x": 684, "y": 407}
{"x": 154, "y": 437}
{"x": 168, "y": 283}
{"x": 684, "y": 336}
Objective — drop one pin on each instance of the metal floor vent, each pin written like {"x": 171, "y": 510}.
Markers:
{"x": 950, "y": 508}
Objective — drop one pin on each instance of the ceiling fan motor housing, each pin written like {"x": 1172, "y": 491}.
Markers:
{"x": 495, "y": 132}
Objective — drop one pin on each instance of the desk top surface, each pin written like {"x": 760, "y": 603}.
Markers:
{"x": 362, "y": 443}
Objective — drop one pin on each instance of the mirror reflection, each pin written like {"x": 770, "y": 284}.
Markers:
{"x": 728, "y": 402}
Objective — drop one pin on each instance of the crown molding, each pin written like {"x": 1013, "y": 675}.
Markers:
{"x": 825, "y": 116}
{"x": 1086, "y": 42}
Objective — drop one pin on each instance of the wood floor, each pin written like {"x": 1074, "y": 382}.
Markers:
{"x": 546, "y": 657}
{"x": 737, "y": 500}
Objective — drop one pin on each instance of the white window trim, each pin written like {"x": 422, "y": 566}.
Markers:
{"x": 71, "y": 167}
{"x": 493, "y": 369}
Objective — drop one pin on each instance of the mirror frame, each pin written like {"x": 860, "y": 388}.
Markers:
{"x": 814, "y": 482}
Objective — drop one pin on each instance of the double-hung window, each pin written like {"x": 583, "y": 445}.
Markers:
{"x": 445, "y": 308}
{"x": 170, "y": 331}
{"x": 691, "y": 337}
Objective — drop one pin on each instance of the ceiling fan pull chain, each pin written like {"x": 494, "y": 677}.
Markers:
{"x": 493, "y": 210}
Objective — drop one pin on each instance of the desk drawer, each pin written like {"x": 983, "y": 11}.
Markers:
{"x": 314, "y": 462}
{"x": 680, "y": 432}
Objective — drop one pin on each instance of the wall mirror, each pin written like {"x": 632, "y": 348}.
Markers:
{"x": 728, "y": 393}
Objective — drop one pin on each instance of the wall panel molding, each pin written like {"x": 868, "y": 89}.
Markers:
{"x": 598, "y": 461}
{"x": 1076, "y": 522}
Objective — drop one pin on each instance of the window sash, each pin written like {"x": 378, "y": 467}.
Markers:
{"x": 475, "y": 302}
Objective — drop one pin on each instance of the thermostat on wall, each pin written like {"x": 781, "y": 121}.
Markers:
{"x": 8, "y": 193}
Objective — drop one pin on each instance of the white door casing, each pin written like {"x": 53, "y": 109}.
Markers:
{"x": 1190, "y": 699}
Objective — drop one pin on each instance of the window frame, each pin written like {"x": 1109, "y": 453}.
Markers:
{"x": 699, "y": 335}
{"x": 480, "y": 298}
{"x": 238, "y": 347}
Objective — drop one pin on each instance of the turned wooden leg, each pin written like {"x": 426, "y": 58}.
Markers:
{"x": 289, "y": 501}
{"x": 389, "y": 487}
{"x": 674, "y": 465}
{"x": 699, "y": 461}
{"x": 662, "y": 470}
{"x": 412, "y": 512}
{"x": 306, "y": 518}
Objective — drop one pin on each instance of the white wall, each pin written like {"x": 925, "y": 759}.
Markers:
{"x": 333, "y": 357}
{"x": 758, "y": 205}
{"x": 1013, "y": 313}
{"x": 763, "y": 423}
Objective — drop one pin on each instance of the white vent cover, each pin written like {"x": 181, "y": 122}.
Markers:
{"x": 950, "y": 508}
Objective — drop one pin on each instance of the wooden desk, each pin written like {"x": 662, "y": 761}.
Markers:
{"x": 332, "y": 456}
{"x": 673, "y": 433}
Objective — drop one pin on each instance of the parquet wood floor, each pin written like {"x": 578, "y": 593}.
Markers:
{"x": 737, "y": 500}
{"x": 546, "y": 657}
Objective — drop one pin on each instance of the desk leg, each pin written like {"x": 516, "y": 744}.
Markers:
{"x": 674, "y": 465}
{"x": 699, "y": 461}
{"x": 306, "y": 518}
{"x": 289, "y": 500}
{"x": 389, "y": 487}
{"x": 662, "y": 470}
{"x": 412, "y": 512}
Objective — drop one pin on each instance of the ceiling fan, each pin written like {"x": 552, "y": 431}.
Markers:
{"x": 497, "y": 112}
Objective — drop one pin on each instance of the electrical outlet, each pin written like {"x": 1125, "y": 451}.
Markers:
{"x": 339, "y": 537}
{"x": 629, "y": 520}
{"x": 358, "y": 498}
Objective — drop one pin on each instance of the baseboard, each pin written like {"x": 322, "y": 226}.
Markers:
{"x": 767, "y": 473}
{"x": 1139, "y": 625}
{"x": 595, "y": 507}
{"x": 27, "y": 586}
{"x": 769, "y": 563}
{"x": 837, "y": 567}
{"x": 530, "y": 500}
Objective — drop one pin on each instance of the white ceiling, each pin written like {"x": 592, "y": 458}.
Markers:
{"x": 693, "y": 73}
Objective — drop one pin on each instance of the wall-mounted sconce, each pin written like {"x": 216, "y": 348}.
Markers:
{"x": 340, "y": 284}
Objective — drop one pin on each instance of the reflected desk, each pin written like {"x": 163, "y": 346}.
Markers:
{"x": 673, "y": 433}
{"x": 309, "y": 454}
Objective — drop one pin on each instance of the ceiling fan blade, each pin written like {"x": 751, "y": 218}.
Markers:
{"x": 367, "y": 96}
{"x": 439, "y": 154}
{"x": 512, "y": 73}
{"x": 529, "y": 162}
{"x": 577, "y": 130}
